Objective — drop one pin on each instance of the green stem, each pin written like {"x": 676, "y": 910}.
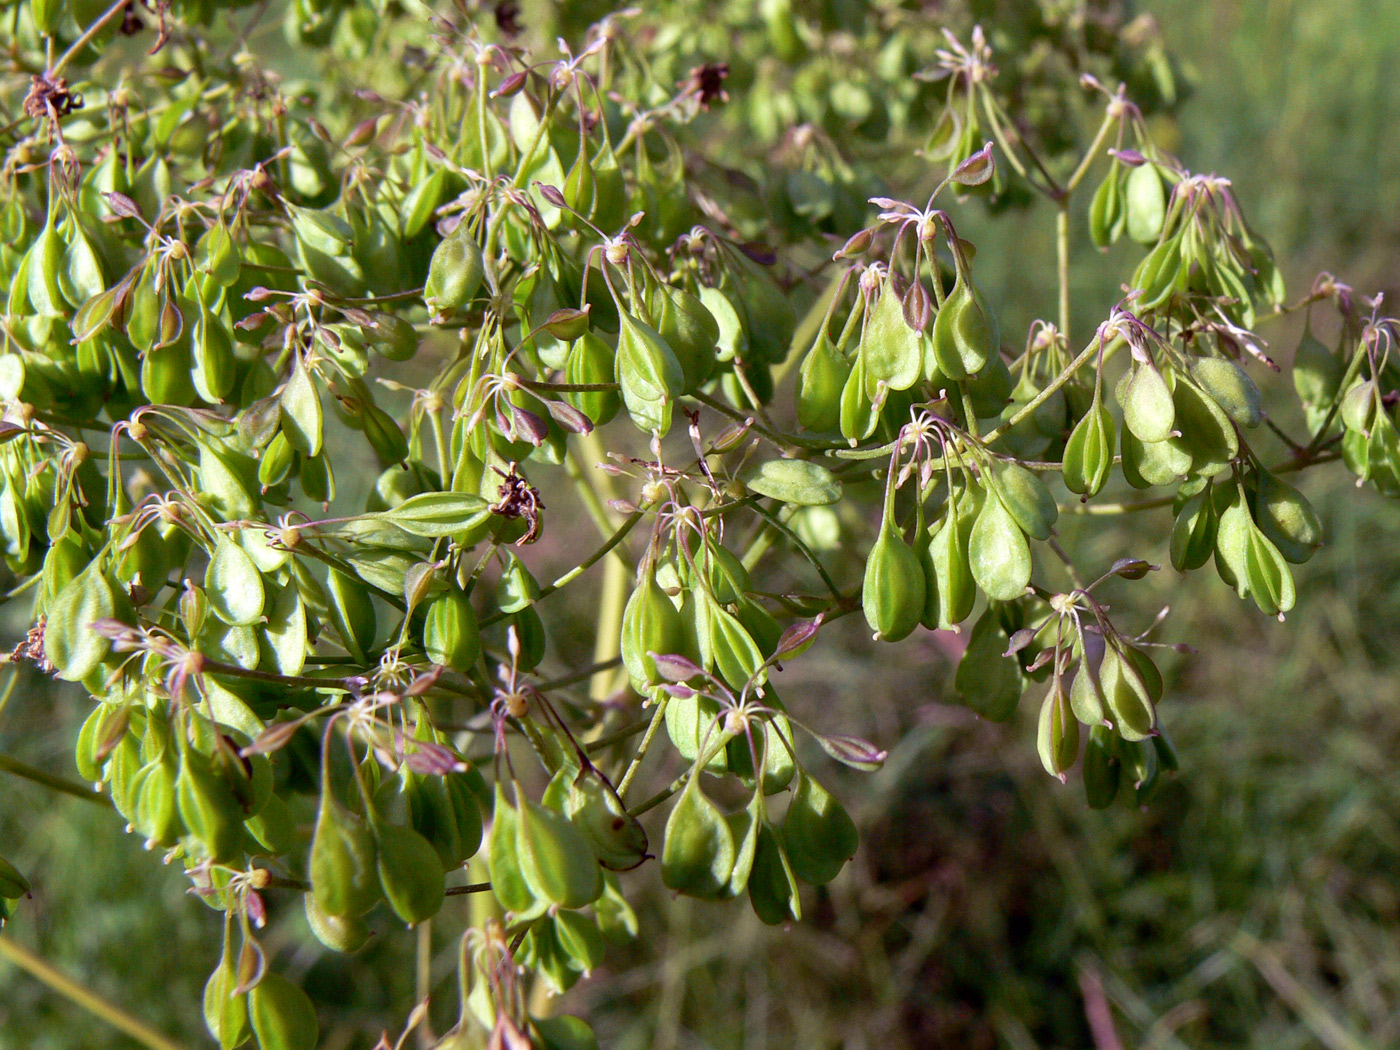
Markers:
{"x": 25, "y": 771}
{"x": 607, "y": 641}
{"x": 1090, "y": 154}
{"x": 471, "y": 887}
{"x": 658, "y": 715}
{"x": 1055, "y": 384}
{"x": 88, "y": 34}
{"x": 84, "y": 997}
{"x": 1062, "y": 264}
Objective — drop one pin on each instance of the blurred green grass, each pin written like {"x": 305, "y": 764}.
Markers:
{"x": 1253, "y": 905}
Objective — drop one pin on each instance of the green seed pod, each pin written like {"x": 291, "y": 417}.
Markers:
{"x": 155, "y": 814}
{"x": 649, "y": 373}
{"x": 70, "y": 644}
{"x": 726, "y": 646}
{"x": 690, "y": 330}
{"x": 1193, "y": 534}
{"x": 889, "y": 347}
{"x": 772, "y": 885}
{"x": 1126, "y": 693}
{"x": 817, "y": 833}
{"x": 650, "y": 624}
{"x": 1267, "y": 576}
{"x": 615, "y": 836}
{"x": 729, "y": 580}
{"x": 451, "y": 636}
{"x": 987, "y": 681}
{"x": 233, "y": 584}
{"x": 1145, "y": 203}
{"x": 1148, "y": 410}
{"x": 990, "y": 390}
{"x": 950, "y": 590}
{"x": 1160, "y": 463}
{"x": 1088, "y": 455}
{"x": 215, "y": 368}
{"x": 820, "y": 381}
{"x": 343, "y": 872}
{"x": 12, "y": 883}
{"x": 998, "y": 552}
{"x": 1140, "y": 765}
{"x": 965, "y": 333}
{"x": 555, "y": 858}
{"x": 1360, "y": 405}
{"x": 352, "y": 613}
{"x": 893, "y": 593}
{"x": 1317, "y": 371}
{"x": 1158, "y": 274}
{"x": 208, "y": 808}
{"x": 591, "y": 361}
{"x": 273, "y": 827}
{"x": 507, "y": 881}
{"x": 565, "y": 1032}
{"x": 744, "y": 825}
{"x": 698, "y": 853}
{"x": 226, "y": 1014}
{"x": 1232, "y": 538}
{"x": 1106, "y": 218}
{"x": 276, "y": 462}
{"x": 1026, "y": 498}
{"x": 456, "y": 271}
{"x": 1101, "y": 768}
{"x": 384, "y": 435}
{"x": 100, "y": 732}
{"x": 1206, "y": 430}
{"x": 580, "y": 940}
{"x": 1285, "y": 516}
{"x": 1057, "y": 736}
{"x": 282, "y": 1015}
{"x": 859, "y": 413}
{"x": 1086, "y": 697}
{"x": 339, "y": 933}
{"x": 410, "y": 873}
{"x": 1227, "y": 384}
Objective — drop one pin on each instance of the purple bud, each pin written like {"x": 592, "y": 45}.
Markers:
{"x": 433, "y": 760}
{"x": 511, "y": 84}
{"x": 1129, "y": 157}
{"x": 1020, "y": 640}
{"x": 797, "y": 639}
{"x": 123, "y": 205}
{"x": 759, "y": 253}
{"x": 731, "y": 436}
{"x": 674, "y": 667}
{"x": 854, "y": 752}
{"x": 423, "y": 682}
{"x": 273, "y": 738}
{"x": 918, "y": 306}
{"x": 858, "y": 244}
{"x": 570, "y": 418}
{"x": 528, "y": 425}
{"x": 551, "y": 194}
{"x": 1132, "y": 568}
{"x": 977, "y": 169}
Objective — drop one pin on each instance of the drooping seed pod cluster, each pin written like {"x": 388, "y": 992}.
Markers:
{"x": 309, "y": 384}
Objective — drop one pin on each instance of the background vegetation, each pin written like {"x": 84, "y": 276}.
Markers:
{"x": 1253, "y": 904}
